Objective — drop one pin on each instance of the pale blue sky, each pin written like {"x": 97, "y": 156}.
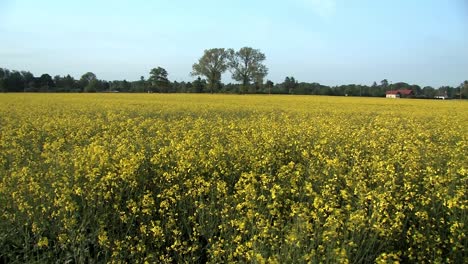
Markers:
{"x": 332, "y": 42}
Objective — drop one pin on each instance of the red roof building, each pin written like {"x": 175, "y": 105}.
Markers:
{"x": 399, "y": 93}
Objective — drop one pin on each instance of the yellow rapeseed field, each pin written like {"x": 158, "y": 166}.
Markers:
{"x": 162, "y": 178}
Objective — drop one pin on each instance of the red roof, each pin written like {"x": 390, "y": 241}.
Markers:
{"x": 402, "y": 92}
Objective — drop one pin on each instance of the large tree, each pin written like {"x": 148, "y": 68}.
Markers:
{"x": 93, "y": 86}
{"x": 46, "y": 82}
{"x": 290, "y": 84}
{"x": 247, "y": 65}
{"x": 429, "y": 92}
{"x": 158, "y": 79}
{"x": 90, "y": 83}
{"x": 384, "y": 83}
{"x": 212, "y": 65}
{"x": 89, "y": 76}
{"x": 86, "y": 79}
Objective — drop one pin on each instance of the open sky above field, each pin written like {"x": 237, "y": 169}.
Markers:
{"x": 332, "y": 42}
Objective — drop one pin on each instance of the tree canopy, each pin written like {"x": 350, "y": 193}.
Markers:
{"x": 212, "y": 65}
{"x": 247, "y": 65}
{"x": 158, "y": 80}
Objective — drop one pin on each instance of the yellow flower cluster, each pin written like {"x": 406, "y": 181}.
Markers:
{"x": 218, "y": 178}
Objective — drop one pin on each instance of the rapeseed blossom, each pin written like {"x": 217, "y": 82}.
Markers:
{"x": 215, "y": 178}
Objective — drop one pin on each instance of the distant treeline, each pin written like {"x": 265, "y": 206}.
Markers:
{"x": 25, "y": 81}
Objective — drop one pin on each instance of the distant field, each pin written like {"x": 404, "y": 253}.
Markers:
{"x": 232, "y": 178}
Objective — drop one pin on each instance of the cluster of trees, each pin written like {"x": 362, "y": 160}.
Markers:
{"x": 24, "y": 81}
{"x": 246, "y": 66}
